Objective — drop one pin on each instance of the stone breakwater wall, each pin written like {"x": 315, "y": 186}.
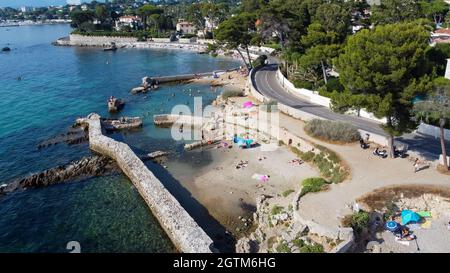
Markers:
{"x": 184, "y": 232}
{"x": 81, "y": 40}
{"x": 128, "y": 42}
{"x": 184, "y": 77}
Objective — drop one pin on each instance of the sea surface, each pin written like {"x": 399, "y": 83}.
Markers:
{"x": 43, "y": 89}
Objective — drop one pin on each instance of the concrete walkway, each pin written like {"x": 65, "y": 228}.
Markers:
{"x": 367, "y": 173}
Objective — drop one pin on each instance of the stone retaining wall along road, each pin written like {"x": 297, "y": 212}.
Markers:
{"x": 299, "y": 114}
{"x": 184, "y": 232}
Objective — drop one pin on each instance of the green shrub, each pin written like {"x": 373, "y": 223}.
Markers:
{"x": 313, "y": 184}
{"x": 212, "y": 48}
{"x": 259, "y": 62}
{"x": 333, "y": 84}
{"x": 303, "y": 84}
{"x": 188, "y": 36}
{"x": 276, "y": 210}
{"x": 275, "y": 46}
{"x": 298, "y": 242}
{"x": 307, "y": 157}
{"x": 232, "y": 93}
{"x": 137, "y": 34}
{"x": 313, "y": 248}
{"x": 287, "y": 192}
{"x": 332, "y": 130}
{"x": 283, "y": 248}
{"x": 358, "y": 221}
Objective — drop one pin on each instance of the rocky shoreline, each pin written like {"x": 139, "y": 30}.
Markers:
{"x": 75, "y": 170}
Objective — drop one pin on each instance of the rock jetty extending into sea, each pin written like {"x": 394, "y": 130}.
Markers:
{"x": 83, "y": 168}
{"x": 181, "y": 228}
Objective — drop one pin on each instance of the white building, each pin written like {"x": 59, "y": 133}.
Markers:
{"x": 84, "y": 7}
{"x": 210, "y": 24}
{"x": 25, "y": 9}
{"x": 185, "y": 27}
{"x": 130, "y": 21}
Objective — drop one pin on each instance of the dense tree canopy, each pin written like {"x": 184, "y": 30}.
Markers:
{"x": 394, "y": 11}
{"x": 237, "y": 33}
{"x": 384, "y": 65}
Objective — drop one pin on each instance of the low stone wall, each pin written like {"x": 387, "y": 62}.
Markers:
{"x": 299, "y": 114}
{"x": 314, "y": 97}
{"x": 81, "y": 40}
{"x": 184, "y": 77}
{"x": 431, "y": 130}
{"x": 184, "y": 232}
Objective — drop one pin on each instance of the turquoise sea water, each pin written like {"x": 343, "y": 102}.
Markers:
{"x": 59, "y": 84}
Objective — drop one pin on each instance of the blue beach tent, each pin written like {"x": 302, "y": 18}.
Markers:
{"x": 409, "y": 216}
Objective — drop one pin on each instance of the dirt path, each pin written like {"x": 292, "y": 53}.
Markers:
{"x": 368, "y": 172}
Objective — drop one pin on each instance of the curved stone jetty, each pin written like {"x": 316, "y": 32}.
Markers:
{"x": 184, "y": 232}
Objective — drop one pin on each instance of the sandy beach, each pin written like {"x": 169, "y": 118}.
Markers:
{"x": 230, "y": 194}
{"x": 235, "y": 80}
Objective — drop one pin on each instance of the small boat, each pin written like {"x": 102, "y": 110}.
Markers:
{"x": 115, "y": 104}
{"x": 122, "y": 123}
{"x": 113, "y": 47}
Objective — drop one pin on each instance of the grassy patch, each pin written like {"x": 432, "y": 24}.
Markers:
{"x": 298, "y": 242}
{"x": 334, "y": 131}
{"x": 313, "y": 248}
{"x": 276, "y": 210}
{"x": 327, "y": 161}
{"x": 283, "y": 248}
{"x": 330, "y": 165}
{"x": 287, "y": 192}
{"x": 313, "y": 184}
{"x": 232, "y": 93}
{"x": 358, "y": 221}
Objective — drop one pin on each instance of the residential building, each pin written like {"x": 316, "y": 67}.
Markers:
{"x": 24, "y": 9}
{"x": 441, "y": 35}
{"x": 185, "y": 27}
{"x": 128, "y": 21}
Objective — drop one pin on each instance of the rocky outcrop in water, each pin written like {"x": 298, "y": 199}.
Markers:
{"x": 75, "y": 135}
{"x": 83, "y": 168}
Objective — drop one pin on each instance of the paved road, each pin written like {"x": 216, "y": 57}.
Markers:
{"x": 266, "y": 83}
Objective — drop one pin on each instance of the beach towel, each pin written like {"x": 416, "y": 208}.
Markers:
{"x": 426, "y": 214}
{"x": 248, "y": 104}
{"x": 406, "y": 243}
{"x": 260, "y": 177}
